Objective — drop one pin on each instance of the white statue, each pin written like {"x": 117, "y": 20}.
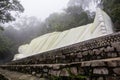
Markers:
{"x": 101, "y": 26}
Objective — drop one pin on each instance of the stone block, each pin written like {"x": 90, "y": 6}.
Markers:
{"x": 100, "y": 78}
{"x": 116, "y": 45}
{"x": 97, "y": 63}
{"x": 74, "y": 70}
{"x": 101, "y": 71}
{"x": 111, "y": 54}
{"x": 64, "y": 72}
{"x": 54, "y": 73}
{"x": 112, "y": 78}
{"x": 117, "y": 71}
{"x": 112, "y": 63}
{"x": 85, "y": 64}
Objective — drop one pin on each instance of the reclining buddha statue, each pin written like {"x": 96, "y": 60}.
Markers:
{"x": 101, "y": 26}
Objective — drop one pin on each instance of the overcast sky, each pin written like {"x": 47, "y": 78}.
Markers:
{"x": 42, "y": 8}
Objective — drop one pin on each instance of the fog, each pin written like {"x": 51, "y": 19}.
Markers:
{"x": 42, "y": 8}
{"x": 45, "y": 16}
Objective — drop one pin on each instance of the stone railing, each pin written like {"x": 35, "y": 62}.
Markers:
{"x": 95, "y": 59}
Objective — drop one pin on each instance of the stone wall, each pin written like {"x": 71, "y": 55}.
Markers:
{"x": 94, "y": 49}
{"x": 95, "y": 59}
{"x": 106, "y": 69}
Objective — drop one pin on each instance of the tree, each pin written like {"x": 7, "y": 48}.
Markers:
{"x": 113, "y": 9}
{"x": 6, "y": 7}
{"x": 85, "y": 3}
{"x": 24, "y": 30}
{"x": 5, "y": 49}
{"x": 73, "y": 16}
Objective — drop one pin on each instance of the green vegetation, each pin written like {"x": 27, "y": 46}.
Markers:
{"x": 73, "y": 16}
{"x": 112, "y": 7}
{"x": 70, "y": 77}
{"x": 6, "y": 6}
{"x": 73, "y": 76}
{"x": 5, "y": 49}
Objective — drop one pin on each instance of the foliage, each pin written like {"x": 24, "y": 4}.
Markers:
{"x": 24, "y": 30}
{"x": 6, "y": 7}
{"x": 85, "y": 4}
{"x": 113, "y": 9}
{"x": 73, "y": 16}
{"x": 73, "y": 76}
{"x": 5, "y": 49}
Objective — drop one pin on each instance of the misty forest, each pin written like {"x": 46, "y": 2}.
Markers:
{"x": 16, "y": 30}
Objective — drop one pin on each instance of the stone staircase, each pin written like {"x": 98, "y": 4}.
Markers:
{"x": 12, "y": 75}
